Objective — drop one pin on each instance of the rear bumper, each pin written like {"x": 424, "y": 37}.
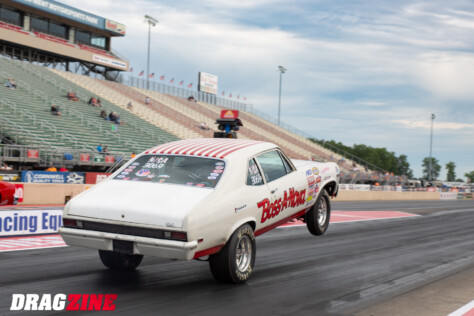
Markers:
{"x": 141, "y": 245}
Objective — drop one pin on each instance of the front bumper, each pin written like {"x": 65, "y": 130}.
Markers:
{"x": 162, "y": 248}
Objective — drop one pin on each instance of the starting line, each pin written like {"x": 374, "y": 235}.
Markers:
{"x": 53, "y": 241}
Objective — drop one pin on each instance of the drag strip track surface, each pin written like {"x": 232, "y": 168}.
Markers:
{"x": 353, "y": 265}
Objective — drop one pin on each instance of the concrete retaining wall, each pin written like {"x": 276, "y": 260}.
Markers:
{"x": 45, "y": 193}
{"x": 39, "y": 193}
{"x": 385, "y": 196}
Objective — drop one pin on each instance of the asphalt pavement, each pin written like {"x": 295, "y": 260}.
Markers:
{"x": 356, "y": 268}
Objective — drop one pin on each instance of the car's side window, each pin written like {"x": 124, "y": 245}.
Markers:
{"x": 286, "y": 163}
{"x": 272, "y": 165}
{"x": 254, "y": 176}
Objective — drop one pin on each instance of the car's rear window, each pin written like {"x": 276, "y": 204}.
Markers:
{"x": 184, "y": 170}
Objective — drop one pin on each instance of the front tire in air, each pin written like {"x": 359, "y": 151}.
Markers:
{"x": 234, "y": 263}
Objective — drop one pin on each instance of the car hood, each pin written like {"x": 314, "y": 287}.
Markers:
{"x": 138, "y": 202}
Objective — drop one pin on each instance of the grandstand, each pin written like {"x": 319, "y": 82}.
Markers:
{"x": 33, "y": 53}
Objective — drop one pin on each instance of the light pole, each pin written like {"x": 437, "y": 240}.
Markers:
{"x": 151, "y": 22}
{"x": 431, "y": 147}
{"x": 282, "y": 71}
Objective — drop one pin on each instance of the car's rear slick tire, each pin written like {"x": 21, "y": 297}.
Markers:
{"x": 234, "y": 263}
{"x": 317, "y": 218}
{"x": 119, "y": 261}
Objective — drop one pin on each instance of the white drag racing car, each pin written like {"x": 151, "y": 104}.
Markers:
{"x": 199, "y": 199}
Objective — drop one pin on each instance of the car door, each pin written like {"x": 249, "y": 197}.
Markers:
{"x": 287, "y": 190}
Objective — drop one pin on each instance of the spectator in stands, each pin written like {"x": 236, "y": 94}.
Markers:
{"x": 147, "y": 101}
{"x": 117, "y": 119}
{"x": 55, "y": 110}
{"x": 8, "y": 84}
{"x": 204, "y": 126}
{"x": 99, "y": 103}
{"x": 341, "y": 161}
{"x": 5, "y": 167}
{"x": 99, "y": 148}
{"x": 130, "y": 105}
{"x": 63, "y": 169}
{"x": 133, "y": 155}
{"x": 112, "y": 116}
{"x": 354, "y": 167}
{"x": 52, "y": 168}
{"x": 191, "y": 98}
{"x": 13, "y": 83}
{"x": 106, "y": 150}
{"x": 103, "y": 114}
{"x": 72, "y": 96}
{"x": 91, "y": 101}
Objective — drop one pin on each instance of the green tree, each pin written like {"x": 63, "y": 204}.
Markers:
{"x": 451, "y": 174}
{"x": 435, "y": 168}
{"x": 379, "y": 157}
{"x": 470, "y": 176}
{"x": 404, "y": 167}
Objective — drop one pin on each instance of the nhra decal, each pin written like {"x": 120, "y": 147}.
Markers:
{"x": 315, "y": 171}
{"x": 293, "y": 199}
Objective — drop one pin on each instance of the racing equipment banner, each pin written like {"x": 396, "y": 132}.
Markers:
{"x": 29, "y": 222}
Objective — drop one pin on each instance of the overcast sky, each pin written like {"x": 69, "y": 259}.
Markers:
{"x": 359, "y": 72}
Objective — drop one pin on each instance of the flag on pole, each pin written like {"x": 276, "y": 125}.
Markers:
{"x": 162, "y": 77}
{"x": 181, "y": 82}
{"x": 131, "y": 69}
{"x": 230, "y": 95}
{"x": 238, "y": 96}
{"x": 190, "y": 85}
{"x": 172, "y": 80}
{"x": 152, "y": 75}
{"x": 141, "y": 73}
{"x": 223, "y": 93}
{"x": 245, "y": 98}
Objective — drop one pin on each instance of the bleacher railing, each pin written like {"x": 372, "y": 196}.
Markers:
{"x": 236, "y": 105}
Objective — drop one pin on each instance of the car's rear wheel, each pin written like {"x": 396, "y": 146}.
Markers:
{"x": 119, "y": 261}
{"x": 234, "y": 263}
{"x": 317, "y": 218}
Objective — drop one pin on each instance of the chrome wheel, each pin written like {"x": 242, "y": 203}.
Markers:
{"x": 243, "y": 253}
{"x": 322, "y": 212}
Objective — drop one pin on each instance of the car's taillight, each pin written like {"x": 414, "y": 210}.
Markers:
{"x": 176, "y": 236}
{"x": 72, "y": 223}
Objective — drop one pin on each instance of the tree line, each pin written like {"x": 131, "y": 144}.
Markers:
{"x": 390, "y": 162}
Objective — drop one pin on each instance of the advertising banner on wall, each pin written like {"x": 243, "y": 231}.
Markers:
{"x": 110, "y": 62}
{"x": 207, "y": 83}
{"x": 96, "y": 177}
{"x": 19, "y": 192}
{"x": 65, "y": 11}
{"x": 29, "y": 222}
{"x": 10, "y": 176}
{"x": 52, "y": 177}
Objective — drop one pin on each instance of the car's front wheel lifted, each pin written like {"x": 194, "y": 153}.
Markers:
{"x": 119, "y": 261}
{"x": 234, "y": 263}
{"x": 317, "y": 218}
